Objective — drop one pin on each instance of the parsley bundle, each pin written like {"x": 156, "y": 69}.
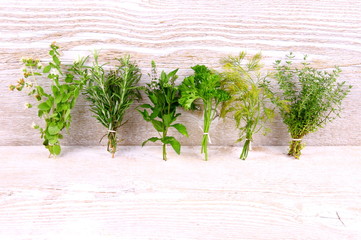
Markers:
{"x": 314, "y": 99}
{"x": 205, "y": 85}
{"x": 249, "y": 97}
{"x": 111, "y": 94}
{"x": 164, "y": 96}
{"x": 54, "y": 104}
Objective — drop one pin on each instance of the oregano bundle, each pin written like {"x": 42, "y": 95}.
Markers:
{"x": 54, "y": 103}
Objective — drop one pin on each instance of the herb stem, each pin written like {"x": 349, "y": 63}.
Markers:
{"x": 247, "y": 144}
{"x": 206, "y": 127}
{"x": 295, "y": 148}
{"x": 165, "y": 145}
{"x": 245, "y": 149}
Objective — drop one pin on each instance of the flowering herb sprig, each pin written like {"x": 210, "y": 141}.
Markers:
{"x": 162, "y": 112}
{"x": 54, "y": 103}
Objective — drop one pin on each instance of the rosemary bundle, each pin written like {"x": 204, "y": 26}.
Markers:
{"x": 111, "y": 94}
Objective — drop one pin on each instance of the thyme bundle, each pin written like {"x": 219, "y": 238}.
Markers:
{"x": 314, "y": 98}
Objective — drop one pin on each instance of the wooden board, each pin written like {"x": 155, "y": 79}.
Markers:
{"x": 178, "y": 34}
{"x": 85, "y": 194}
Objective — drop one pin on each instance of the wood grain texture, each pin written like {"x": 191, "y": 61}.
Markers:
{"x": 179, "y": 34}
{"x": 87, "y": 195}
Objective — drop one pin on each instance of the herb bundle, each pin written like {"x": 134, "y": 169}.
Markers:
{"x": 249, "y": 97}
{"x": 205, "y": 85}
{"x": 111, "y": 94}
{"x": 314, "y": 98}
{"x": 54, "y": 106}
{"x": 164, "y": 96}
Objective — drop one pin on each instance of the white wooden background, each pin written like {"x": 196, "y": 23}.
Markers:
{"x": 87, "y": 195}
{"x": 178, "y": 34}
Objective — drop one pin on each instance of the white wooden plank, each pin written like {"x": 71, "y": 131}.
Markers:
{"x": 85, "y": 194}
{"x": 179, "y": 34}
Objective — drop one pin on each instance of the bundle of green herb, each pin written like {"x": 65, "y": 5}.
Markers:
{"x": 54, "y": 106}
{"x": 249, "y": 97}
{"x": 205, "y": 85}
{"x": 111, "y": 94}
{"x": 314, "y": 99}
{"x": 164, "y": 96}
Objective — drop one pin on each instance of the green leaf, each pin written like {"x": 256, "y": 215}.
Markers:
{"x": 53, "y": 140}
{"x": 58, "y": 99}
{"x": 47, "y": 69}
{"x": 54, "y": 115}
{"x": 53, "y": 129}
{"x": 66, "y": 97}
{"x": 144, "y": 114}
{"x": 172, "y": 73}
{"x": 155, "y": 113}
{"x": 158, "y": 125}
{"x": 40, "y": 113}
{"x": 72, "y": 103}
{"x": 55, "y": 90}
{"x": 69, "y": 78}
{"x": 44, "y": 106}
{"x": 145, "y": 106}
{"x": 56, "y": 60}
{"x": 60, "y": 125}
{"x": 153, "y": 99}
{"x": 181, "y": 128}
{"x": 40, "y": 91}
{"x": 152, "y": 139}
{"x": 56, "y": 149}
{"x": 174, "y": 143}
{"x": 76, "y": 92}
{"x": 168, "y": 119}
{"x": 67, "y": 114}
